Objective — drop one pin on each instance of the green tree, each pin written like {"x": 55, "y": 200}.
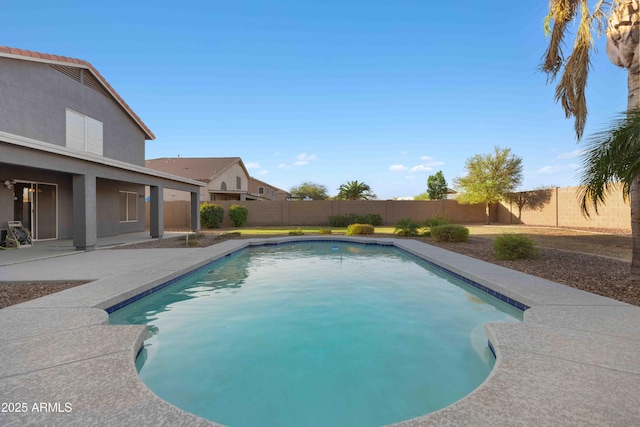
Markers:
{"x": 354, "y": 190}
{"x": 311, "y": 190}
{"x": 622, "y": 18}
{"x": 489, "y": 177}
{"x": 437, "y": 186}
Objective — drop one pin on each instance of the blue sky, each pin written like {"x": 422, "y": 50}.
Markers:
{"x": 385, "y": 92}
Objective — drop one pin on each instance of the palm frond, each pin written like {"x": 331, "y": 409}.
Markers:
{"x": 570, "y": 91}
{"x": 612, "y": 159}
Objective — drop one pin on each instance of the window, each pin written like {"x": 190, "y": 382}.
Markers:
{"x": 84, "y": 133}
{"x": 223, "y": 186}
{"x": 238, "y": 183}
{"x": 260, "y": 190}
{"x": 128, "y": 206}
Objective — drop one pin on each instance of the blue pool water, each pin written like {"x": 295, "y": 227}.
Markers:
{"x": 315, "y": 334}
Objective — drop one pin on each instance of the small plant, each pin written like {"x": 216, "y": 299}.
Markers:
{"x": 436, "y": 220}
{"x": 514, "y": 246}
{"x": 238, "y": 215}
{"x": 325, "y": 231}
{"x": 359, "y": 229}
{"x": 296, "y": 232}
{"x": 406, "y": 227}
{"x": 450, "y": 233}
{"x": 211, "y": 215}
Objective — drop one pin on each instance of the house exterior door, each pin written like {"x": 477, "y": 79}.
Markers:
{"x": 36, "y": 205}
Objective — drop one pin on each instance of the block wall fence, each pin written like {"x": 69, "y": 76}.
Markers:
{"x": 562, "y": 210}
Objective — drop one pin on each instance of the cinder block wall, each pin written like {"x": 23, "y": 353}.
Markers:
{"x": 562, "y": 210}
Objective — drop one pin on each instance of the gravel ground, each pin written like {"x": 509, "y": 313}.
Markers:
{"x": 596, "y": 274}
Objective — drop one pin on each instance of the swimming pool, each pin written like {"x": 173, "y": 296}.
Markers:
{"x": 315, "y": 333}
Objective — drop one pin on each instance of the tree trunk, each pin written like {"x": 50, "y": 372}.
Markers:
{"x": 634, "y": 193}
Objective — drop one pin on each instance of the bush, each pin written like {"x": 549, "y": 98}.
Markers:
{"x": 348, "y": 219}
{"x": 238, "y": 215}
{"x": 406, "y": 227}
{"x": 359, "y": 229}
{"x": 436, "y": 220}
{"x": 450, "y": 233}
{"x": 325, "y": 231}
{"x": 211, "y": 215}
{"x": 514, "y": 246}
{"x": 296, "y": 232}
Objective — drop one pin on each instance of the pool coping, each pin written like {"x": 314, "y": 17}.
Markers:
{"x": 573, "y": 360}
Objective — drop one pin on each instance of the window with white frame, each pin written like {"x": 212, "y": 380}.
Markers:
{"x": 84, "y": 133}
{"x": 238, "y": 183}
{"x": 128, "y": 206}
{"x": 260, "y": 190}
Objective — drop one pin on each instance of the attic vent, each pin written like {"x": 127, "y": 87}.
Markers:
{"x": 72, "y": 72}
{"x": 83, "y": 77}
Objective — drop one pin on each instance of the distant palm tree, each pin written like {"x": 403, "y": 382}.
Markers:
{"x": 354, "y": 190}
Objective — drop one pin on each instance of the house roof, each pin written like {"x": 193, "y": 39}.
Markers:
{"x": 259, "y": 182}
{"x": 199, "y": 168}
{"x": 27, "y": 55}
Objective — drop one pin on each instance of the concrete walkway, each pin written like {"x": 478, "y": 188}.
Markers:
{"x": 575, "y": 360}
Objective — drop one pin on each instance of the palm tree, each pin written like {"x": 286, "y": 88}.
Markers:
{"x": 354, "y": 190}
{"x": 623, "y": 28}
{"x": 612, "y": 159}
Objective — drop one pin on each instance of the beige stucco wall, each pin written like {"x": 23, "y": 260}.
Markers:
{"x": 229, "y": 177}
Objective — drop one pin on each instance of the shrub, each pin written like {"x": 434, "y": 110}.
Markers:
{"x": 238, "y": 215}
{"x": 450, "y": 233}
{"x": 514, "y": 246}
{"x": 296, "y": 232}
{"x": 211, "y": 215}
{"x": 436, "y": 220}
{"x": 346, "y": 220}
{"x": 359, "y": 229}
{"x": 325, "y": 231}
{"x": 406, "y": 227}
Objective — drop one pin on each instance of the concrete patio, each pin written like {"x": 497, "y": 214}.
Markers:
{"x": 575, "y": 360}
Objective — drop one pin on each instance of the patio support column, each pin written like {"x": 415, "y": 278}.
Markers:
{"x": 195, "y": 210}
{"x": 84, "y": 212}
{"x": 156, "y": 211}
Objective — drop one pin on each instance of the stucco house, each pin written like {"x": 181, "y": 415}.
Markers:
{"x": 266, "y": 191}
{"x": 72, "y": 154}
{"x": 226, "y": 178}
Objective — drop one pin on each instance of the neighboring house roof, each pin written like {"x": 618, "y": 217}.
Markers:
{"x": 262, "y": 183}
{"x": 27, "y": 55}
{"x": 198, "y": 168}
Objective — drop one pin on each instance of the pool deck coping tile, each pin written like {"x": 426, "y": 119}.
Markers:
{"x": 562, "y": 365}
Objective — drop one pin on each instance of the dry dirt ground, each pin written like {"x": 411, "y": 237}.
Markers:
{"x": 597, "y": 274}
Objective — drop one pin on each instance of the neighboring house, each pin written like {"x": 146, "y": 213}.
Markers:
{"x": 226, "y": 178}
{"x": 266, "y": 191}
{"x": 72, "y": 153}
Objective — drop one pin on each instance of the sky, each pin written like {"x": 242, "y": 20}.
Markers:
{"x": 382, "y": 92}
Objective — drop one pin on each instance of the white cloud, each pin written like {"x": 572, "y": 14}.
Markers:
{"x": 425, "y": 158}
{"x": 571, "y": 155}
{"x": 252, "y": 165}
{"x": 263, "y": 172}
{"x": 421, "y": 168}
{"x": 302, "y": 159}
{"x": 397, "y": 168}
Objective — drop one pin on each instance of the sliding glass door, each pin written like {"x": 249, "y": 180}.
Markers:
{"x": 36, "y": 205}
